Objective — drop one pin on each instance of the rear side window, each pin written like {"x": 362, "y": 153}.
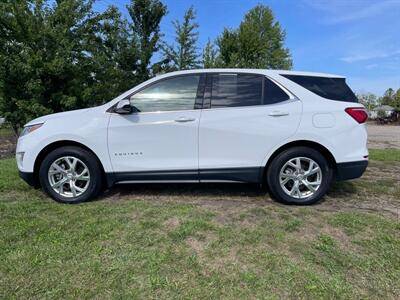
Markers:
{"x": 330, "y": 88}
{"x": 273, "y": 93}
{"x": 233, "y": 90}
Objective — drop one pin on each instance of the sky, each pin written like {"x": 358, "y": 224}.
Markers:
{"x": 359, "y": 39}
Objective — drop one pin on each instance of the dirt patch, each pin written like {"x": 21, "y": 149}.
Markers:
{"x": 196, "y": 245}
{"x": 338, "y": 235}
{"x": 199, "y": 246}
{"x": 7, "y": 146}
{"x": 383, "y": 136}
{"x": 171, "y": 223}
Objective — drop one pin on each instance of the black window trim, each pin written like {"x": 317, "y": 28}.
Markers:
{"x": 290, "y": 94}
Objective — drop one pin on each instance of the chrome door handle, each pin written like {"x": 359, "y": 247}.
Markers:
{"x": 278, "y": 113}
{"x": 184, "y": 119}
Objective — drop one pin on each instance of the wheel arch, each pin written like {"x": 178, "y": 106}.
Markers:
{"x": 58, "y": 144}
{"x": 304, "y": 143}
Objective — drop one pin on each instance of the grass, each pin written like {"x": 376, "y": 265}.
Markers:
{"x": 384, "y": 154}
{"x": 198, "y": 242}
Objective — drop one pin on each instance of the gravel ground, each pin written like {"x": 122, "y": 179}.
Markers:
{"x": 383, "y": 136}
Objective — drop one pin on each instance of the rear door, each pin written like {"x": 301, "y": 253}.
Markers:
{"x": 244, "y": 117}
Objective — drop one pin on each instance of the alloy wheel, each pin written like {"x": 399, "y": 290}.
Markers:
{"x": 69, "y": 176}
{"x": 300, "y": 177}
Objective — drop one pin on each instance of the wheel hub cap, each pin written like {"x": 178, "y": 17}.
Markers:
{"x": 300, "y": 177}
{"x": 69, "y": 176}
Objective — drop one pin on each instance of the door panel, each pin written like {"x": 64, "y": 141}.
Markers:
{"x": 240, "y": 137}
{"x": 154, "y": 141}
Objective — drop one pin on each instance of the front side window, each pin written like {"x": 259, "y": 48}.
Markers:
{"x": 178, "y": 93}
{"x": 233, "y": 90}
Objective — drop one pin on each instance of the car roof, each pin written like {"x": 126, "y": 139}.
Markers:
{"x": 256, "y": 71}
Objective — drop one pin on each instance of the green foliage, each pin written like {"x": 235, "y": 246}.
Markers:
{"x": 381, "y": 114}
{"x": 392, "y": 98}
{"x": 61, "y": 55}
{"x": 388, "y": 97}
{"x": 257, "y": 43}
{"x": 183, "y": 56}
{"x": 369, "y": 100}
{"x": 209, "y": 55}
{"x": 57, "y": 56}
{"x": 396, "y": 102}
{"x": 52, "y": 57}
{"x": 146, "y": 16}
{"x": 114, "y": 60}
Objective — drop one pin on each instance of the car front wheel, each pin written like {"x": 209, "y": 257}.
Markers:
{"x": 70, "y": 175}
{"x": 299, "y": 175}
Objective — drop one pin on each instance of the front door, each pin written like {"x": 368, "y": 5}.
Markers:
{"x": 160, "y": 140}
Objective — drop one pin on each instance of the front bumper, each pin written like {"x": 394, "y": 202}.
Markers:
{"x": 350, "y": 170}
{"x": 29, "y": 178}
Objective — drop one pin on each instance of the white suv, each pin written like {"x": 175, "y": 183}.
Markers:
{"x": 296, "y": 132}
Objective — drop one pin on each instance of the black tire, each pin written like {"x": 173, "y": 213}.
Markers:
{"x": 95, "y": 170}
{"x": 278, "y": 193}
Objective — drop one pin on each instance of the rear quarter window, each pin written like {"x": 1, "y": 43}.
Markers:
{"x": 273, "y": 93}
{"x": 326, "y": 87}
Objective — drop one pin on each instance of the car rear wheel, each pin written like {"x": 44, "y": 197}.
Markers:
{"x": 70, "y": 175}
{"x": 299, "y": 175}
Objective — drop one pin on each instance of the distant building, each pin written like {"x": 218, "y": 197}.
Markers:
{"x": 2, "y": 120}
{"x": 387, "y": 109}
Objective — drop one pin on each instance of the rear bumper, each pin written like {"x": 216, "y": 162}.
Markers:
{"x": 29, "y": 178}
{"x": 350, "y": 170}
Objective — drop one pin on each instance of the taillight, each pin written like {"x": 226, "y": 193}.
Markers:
{"x": 357, "y": 113}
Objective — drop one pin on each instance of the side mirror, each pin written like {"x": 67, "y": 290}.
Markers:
{"x": 123, "y": 107}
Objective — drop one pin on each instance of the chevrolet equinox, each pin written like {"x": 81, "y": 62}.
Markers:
{"x": 295, "y": 132}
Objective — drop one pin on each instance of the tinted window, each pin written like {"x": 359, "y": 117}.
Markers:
{"x": 273, "y": 93}
{"x": 330, "y": 88}
{"x": 178, "y": 93}
{"x": 231, "y": 90}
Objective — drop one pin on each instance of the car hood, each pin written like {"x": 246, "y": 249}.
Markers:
{"x": 58, "y": 116}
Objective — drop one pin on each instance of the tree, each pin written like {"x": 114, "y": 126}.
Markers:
{"x": 57, "y": 56}
{"x": 115, "y": 58}
{"x": 369, "y": 100}
{"x": 396, "y": 102}
{"x": 210, "y": 55}
{"x": 146, "y": 16}
{"x": 228, "y": 48}
{"x": 388, "y": 97}
{"x": 257, "y": 43}
{"x": 183, "y": 55}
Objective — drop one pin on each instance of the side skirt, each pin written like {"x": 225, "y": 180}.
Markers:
{"x": 250, "y": 175}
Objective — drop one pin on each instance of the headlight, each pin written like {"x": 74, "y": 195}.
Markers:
{"x": 29, "y": 129}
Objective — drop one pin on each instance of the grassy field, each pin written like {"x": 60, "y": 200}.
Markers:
{"x": 203, "y": 241}
{"x": 384, "y": 154}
